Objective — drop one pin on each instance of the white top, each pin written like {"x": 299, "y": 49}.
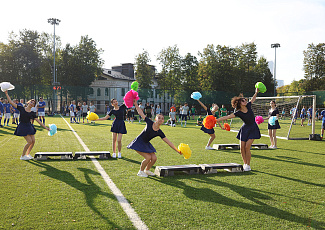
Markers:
{"x": 185, "y": 110}
{"x": 92, "y": 108}
{"x": 84, "y": 108}
{"x": 172, "y": 115}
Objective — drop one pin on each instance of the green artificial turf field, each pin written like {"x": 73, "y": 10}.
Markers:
{"x": 284, "y": 190}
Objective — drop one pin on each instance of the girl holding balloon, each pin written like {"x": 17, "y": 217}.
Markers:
{"x": 206, "y": 130}
{"x": 249, "y": 130}
{"x": 25, "y": 128}
{"x": 118, "y": 126}
{"x": 273, "y": 124}
{"x": 141, "y": 144}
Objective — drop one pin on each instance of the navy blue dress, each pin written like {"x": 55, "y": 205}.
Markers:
{"x": 118, "y": 125}
{"x": 277, "y": 125}
{"x": 209, "y": 131}
{"x": 249, "y": 129}
{"x": 25, "y": 127}
{"x": 142, "y": 142}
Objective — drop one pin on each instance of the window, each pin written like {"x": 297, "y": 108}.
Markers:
{"x": 98, "y": 92}
{"x": 123, "y": 91}
{"x": 107, "y": 92}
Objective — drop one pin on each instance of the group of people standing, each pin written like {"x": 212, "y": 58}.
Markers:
{"x": 8, "y": 111}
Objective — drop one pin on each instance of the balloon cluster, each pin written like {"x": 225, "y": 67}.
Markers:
{"x": 53, "y": 129}
{"x": 92, "y": 116}
{"x": 261, "y": 87}
{"x": 226, "y": 126}
{"x": 209, "y": 121}
{"x": 6, "y": 86}
{"x": 131, "y": 95}
{"x": 196, "y": 95}
{"x": 259, "y": 120}
{"x": 272, "y": 120}
{"x": 185, "y": 150}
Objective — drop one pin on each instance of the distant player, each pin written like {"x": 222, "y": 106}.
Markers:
{"x": 322, "y": 114}
{"x": 184, "y": 111}
{"x": 7, "y": 110}
{"x": 41, "y": 110}
{"x": 303, "y": 115}
{"x": 1, "y": 110}
{"x": 310, "y": 115}
{"x": 223, "y": 113}
{"x": 172, "y": 117}
{"x": 193, "y": 112}
{"x": 273, "y": 111}
{"x": 72, "y": 109}
{"x": 199, "y": 121}
{"x": 84, "y": 109}
{"x": 158, "y": 110}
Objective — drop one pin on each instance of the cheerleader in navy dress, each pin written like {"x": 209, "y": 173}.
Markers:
{"x": 209, "y": 131}
{"x": 272, "y": 128}
{"x": 141, "y": 144}
{"x": 118, "y": 126}
{"x": 249, "y": 130}
{"x": 25, "y": 128}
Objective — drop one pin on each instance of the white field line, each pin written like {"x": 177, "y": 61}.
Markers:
{"x": 6, "y": 140}
{"x": 130, "y": 212}
{"x": 263, "y": 135}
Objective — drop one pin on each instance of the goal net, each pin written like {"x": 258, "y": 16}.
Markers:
{"x": 296, "y": 121}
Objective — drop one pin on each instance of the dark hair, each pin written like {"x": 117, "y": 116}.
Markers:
{"x": 235, "y": 101}
{"x": 273, "y": 102}
{"x": 112, "y": 100}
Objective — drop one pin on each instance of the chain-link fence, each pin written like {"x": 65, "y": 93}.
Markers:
{"x": 57, "y": 98}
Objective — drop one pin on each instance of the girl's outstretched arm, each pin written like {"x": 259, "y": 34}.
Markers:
{"x": 140, "y": 112}
{"x": 254, "y": 96}
{"x": 226, "y": 117}
{"x": 9, "y": 100}
{"x": 41, "y": 123}
{"x": 204, "y": 107}
{"x": 103, "y": 118}
{"x": 165, "y": 139}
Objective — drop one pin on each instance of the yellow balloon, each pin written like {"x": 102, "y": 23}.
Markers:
{"x": 92, "y": 116}
{"x": 185, "y": 150}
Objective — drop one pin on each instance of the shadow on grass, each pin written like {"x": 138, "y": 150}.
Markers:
{"x": 90, "y": 189}
{"x": 253, "y": 195}
{"x": 297, "y": 150}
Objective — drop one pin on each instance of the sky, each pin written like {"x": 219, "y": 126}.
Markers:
{"x": 124, "y": 29}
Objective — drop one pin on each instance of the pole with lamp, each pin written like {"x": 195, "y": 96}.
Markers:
{"x": 275, "y": 45}
{"x": 54, "y": 21}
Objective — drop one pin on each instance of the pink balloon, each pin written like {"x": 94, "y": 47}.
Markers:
{"x": 259, "y": 119}
{"x": 129, "y": 97}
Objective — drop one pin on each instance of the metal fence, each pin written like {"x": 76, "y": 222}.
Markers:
{"x": 57, "y": 98}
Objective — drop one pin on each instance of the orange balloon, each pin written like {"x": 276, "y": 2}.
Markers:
{"x": 209, "y": 121}
{"x": 226, "y": 126}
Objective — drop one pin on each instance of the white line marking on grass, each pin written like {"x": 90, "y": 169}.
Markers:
{"x": 133, "y": 216}
{"x": 263, "y": 135}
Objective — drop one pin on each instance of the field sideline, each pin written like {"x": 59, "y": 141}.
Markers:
{"x": 284, "y": 190}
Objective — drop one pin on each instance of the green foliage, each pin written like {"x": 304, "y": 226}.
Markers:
{"x": 143, "y": 71}
{"x": 314, "y": 67}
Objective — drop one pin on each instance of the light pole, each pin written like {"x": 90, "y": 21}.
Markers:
{"x": 276, "y": 45}
{"x": 54, "y": 21}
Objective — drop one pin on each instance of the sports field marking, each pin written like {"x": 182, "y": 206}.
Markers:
{"x": 263, "y": 135}
{"x": 133, "y": 216}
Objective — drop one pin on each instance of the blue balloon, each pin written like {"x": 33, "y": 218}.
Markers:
{"x": 53, "y": 129}
{"x": 272, "y": 120}
{"x": 196, "y": 95}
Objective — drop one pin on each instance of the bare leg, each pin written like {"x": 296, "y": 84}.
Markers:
{"x": 31, "y": 145}
{"x": 248, "y": 151}
{"x": 212, "y": 137}
{"x": 114, "y": 136}
{"x": 152, "y": 161}
{"x": 119, "y": 142}
{"x": 29, "y": 142}
{"x": 146, "y": 161}
{"x": 271, "y": 137}
{"x": 274, "y": 138}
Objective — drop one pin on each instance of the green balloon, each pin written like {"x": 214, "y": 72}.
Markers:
{"x": 135, "y": 85}
{"x": 261, "y": 87}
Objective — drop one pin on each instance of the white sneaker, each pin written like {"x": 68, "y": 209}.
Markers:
{"x": 119, "y": 155}
{"x": 271, "y": 147}
{"x": 149, "y": 173}
{"x": 29, "y": 156}
{"x": 114, "y": 155}
{"x": 24, "y": 158}
{"x": 247, "y": 168}
{"x": 209, "y": 148}
{"x": 142, "y": 174}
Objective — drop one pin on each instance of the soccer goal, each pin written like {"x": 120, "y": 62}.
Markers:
{"x": 293, "y": 127}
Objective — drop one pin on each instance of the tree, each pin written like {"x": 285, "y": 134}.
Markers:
{"x": 264, "y": 74}
{"x": 189, "y": 72}
{"x": 314, "y": 67}
{"x": 143, "y": 71}
{"x": 170, "y": 75}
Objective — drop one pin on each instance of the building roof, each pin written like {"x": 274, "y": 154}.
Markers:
{"x": 115, "y": 74}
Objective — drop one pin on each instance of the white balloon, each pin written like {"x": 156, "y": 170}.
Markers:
{"x": 6, "y": 86}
